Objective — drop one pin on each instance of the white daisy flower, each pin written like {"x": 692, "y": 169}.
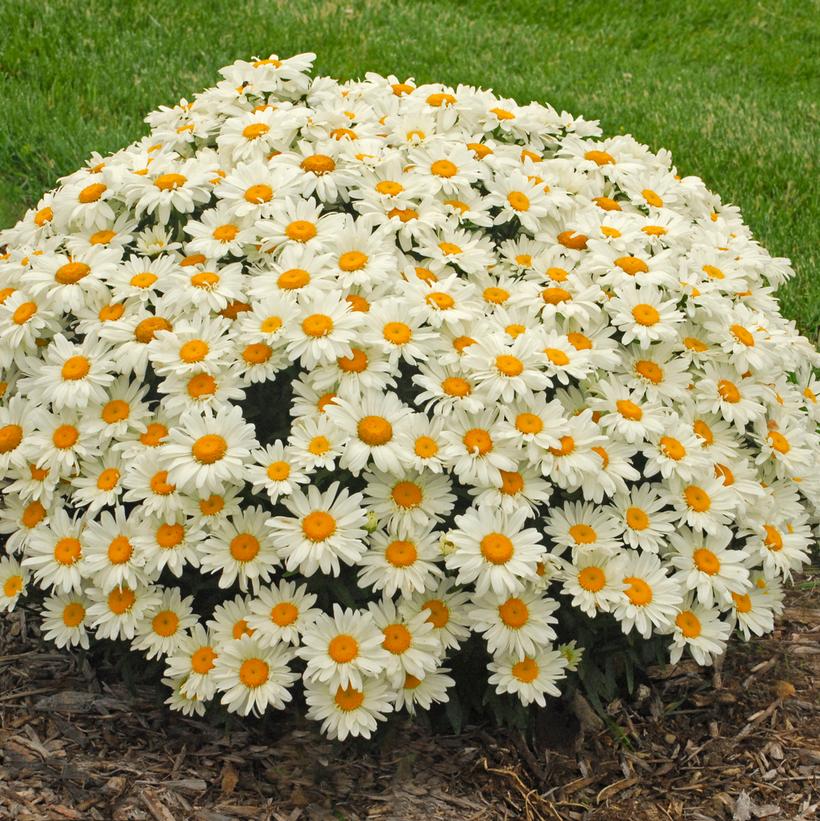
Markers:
{"x": 530, "y": 677}
{"x": 209, "y": 450}
{"x": 55, "y": 553}
{"x": 705, "y": 565}
{"x": 64, "y": 620}
{"x": 110, "y": 556}
{"x": 406, "y": 562}
{"x": 701, "y": 630}
{"x": 424, "y": 692}
{"x": 116, "y": 613}
{"x": 241, "y": 549}
{"x": 594, "y": 579}
{"x": 349, "y": 711}
{"x": 282, "y": 613}
{"x": 252, "y": 678}
{"x": 165, "y": 625}
{"x": 495, "y": 551}
{"x": 193, "y": 660}
{"x": 650, "y": 600}
{"x": 324, "y": 528}
{"x": 412, "y": 643}
{"x": 343, "y": 649}
{"x": 520, "y": 624}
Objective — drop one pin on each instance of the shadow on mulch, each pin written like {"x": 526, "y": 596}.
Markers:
{"x": 742, "y": 743}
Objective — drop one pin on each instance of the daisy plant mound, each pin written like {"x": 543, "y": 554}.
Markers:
{"x": 322, "y": 387}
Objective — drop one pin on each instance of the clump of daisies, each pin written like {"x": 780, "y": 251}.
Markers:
{"x": 320, "y": 382}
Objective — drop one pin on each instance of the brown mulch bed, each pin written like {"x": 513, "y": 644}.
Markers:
{"x": 742, "y": 743}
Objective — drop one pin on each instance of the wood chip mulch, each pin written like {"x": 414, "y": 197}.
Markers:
{"x": 741, "y": 743}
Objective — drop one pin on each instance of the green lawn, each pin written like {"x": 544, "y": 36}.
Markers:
{"x": 728, "y": 85}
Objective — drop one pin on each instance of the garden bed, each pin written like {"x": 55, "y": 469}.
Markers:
{"x": 742, "y": 743}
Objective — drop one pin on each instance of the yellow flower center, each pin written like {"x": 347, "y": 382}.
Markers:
{"x": 629, "y": 410}
{"x": 514, "y": 613}
{"x": 557, "y": 357}
{"x": 343, "y": 648}
{"x": 318, "y": 164}
{"x": 24, "y": 312}
{"x": 170, "y": 182}
{"x": 255, "y": 130}
{"x": 779, "y": 442}
{"x": 638, "y": 592}
{"x": 121, "y": 600}
{"x": 108, "y": 479}
{"x": 257, "y": 354}
{"x": 317, "y": 325}
{"x": 632, "y": 265}
{"x": 599, "y": 157}
{"x": 73, "y": 614}
{"x": 147, "y": 329}
{"x": 592, "y": 579}
{"x": 697, "y": 499}
{"x": 566, "y": 447}
{"x": 407, "y": 495}
{"x": 259, "y": 193}
{"x": 583, "y": 534}
{"x": 202, "y": 660}
{"x": 649, "y": 370}
{"x": 318, "y": 526}
{"x": 160, "y": 485}
{"x": 13, "y": 586}
{"x": 92, "y": 193}
{"x": 509, "y": 365}
{"x": 374, "y": 430}
{"x": 253, "y": 672}
{"x": 706, "y": 561}
{"x": 512, "y": 482}
{"x": 301, "y": 231}
{"x": 689, "y": 624}
{"x": 389, "y": 188}
{"x": 226, "y": 233}
{"x": 348, "y": 699}
{"x": 401, "y": 553}
{"x": 65, "y": 437}
{"x": 165, "y": 623}
{"x": 71, "y": 273}
{"x": 525, "y": 670}
{"x": 773, "y": 540}
{"x": 518, "y": 201}
{"x": 209, "y": 448}
{"x": 67, "y": 551}
{"x": 528, "y": 423}
{"x": 169, "y": 536}
{"x": 10, "y": 438}
{"x": 478, "y": 442}
{"x": 284, "y": 614}
{"x": 555, "y": 296}
{"x": 636, "y": 518}
{"x": 75, "y": 368}
{"x": 444, "y": 168}
{"x": 439, "y": 613}
{"x": 397, "y": 638}
{"x": 34, "y": 512}
{"x": 728, "y": 391}
{"x": 652, "y": 198}
{"x": 120, "y": 550}
{"x": 496, "y": 548}
{"x": 425, "y": 447}
{"x": 244, "y": 547}
{"x": 645, "y": 315}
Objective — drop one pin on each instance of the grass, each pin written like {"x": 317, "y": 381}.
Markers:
{"x": 729, "y": 87}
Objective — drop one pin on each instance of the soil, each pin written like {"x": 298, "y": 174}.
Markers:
{"x": 693, "y": 744}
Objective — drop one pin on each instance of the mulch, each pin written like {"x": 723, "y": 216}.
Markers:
{"x": 693, "y": 744}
